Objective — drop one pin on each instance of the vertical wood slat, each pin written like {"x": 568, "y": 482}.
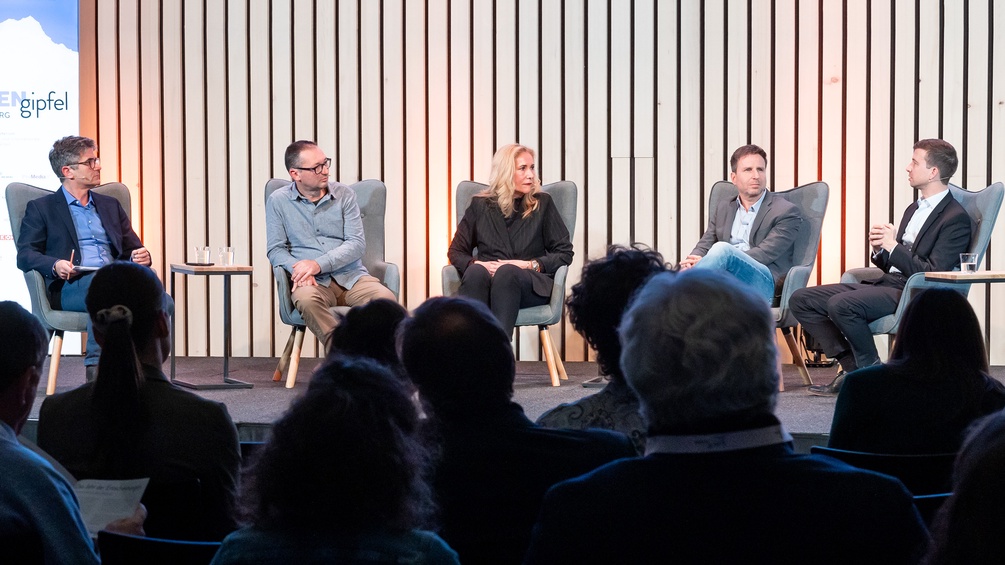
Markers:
{"x": 193, "y": 104}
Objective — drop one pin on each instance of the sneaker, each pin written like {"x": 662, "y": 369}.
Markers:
{"x": 597, "y": 382}
{"x": 830, "y": 389}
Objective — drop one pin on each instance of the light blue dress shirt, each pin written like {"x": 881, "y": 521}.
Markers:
{"x": 94, "y": 247}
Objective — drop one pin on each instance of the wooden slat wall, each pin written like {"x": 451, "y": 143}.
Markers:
{"x": 640, "y": 102}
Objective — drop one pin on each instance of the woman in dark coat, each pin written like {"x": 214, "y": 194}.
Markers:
{"x": 934, "y": 385}
{"x": 519, "y": 235}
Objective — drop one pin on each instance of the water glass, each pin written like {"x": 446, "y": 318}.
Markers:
{"x": 226, "y": 255}
{"x": 203, "y": 253}
{"x": 968, "y": 262}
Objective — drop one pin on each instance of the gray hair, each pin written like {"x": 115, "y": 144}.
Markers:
{"x": 699, "y": 348}
{"x": 67, "y": 151}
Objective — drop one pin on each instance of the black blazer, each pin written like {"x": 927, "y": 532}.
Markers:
{"x": 482, "y": 235}
{"x": 48, "y": 235}
{"x": 945, "y": 234}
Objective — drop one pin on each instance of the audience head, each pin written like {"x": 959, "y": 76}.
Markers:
{"x": 940, "y": 155}
{"x": 597, "y": 302}
{"x": 66, "y": 152}
{"x": 698, "y": 349}
{"x": 458, "y": 356}
{"x": 368, "y": 330}
{"x": 507, "y": 175}
{"x": 126, "y": 304}
{"x": 970, "y": 525}
{"x": 23, "y": 345}
{"x": 345, "y": 457}
{"x": 940, "y": 337}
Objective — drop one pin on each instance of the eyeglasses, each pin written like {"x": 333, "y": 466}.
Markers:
{"x": 318, "y": 169}
{"x": 91, "y": 163}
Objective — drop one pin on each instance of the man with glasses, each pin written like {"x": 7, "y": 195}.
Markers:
{"x": 71, "y": 233}
{"x": 315, "y": 232}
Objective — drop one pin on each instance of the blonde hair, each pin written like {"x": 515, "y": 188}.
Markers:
{"x": 501, "y": 186}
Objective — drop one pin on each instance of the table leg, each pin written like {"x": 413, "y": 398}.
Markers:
{"x": 172, "y": 328}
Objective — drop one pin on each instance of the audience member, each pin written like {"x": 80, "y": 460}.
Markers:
{"x": 969, "y": 526}
{"x": 720, "y": 482}
{"x": 495, "y": 464}
{"x": 368, "y": 330}
{"x": 595, "y": 307}
{"x": 132, "y": 422}
{"x": 39, "y": 514}
{"x": 519, "y": 235}
{"x": 934, "y": 385}
{"x": 342, "y": 479}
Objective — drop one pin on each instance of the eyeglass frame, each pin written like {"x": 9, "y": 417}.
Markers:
{"x": 91, "y": 163}
{"x": 317, "y": 169}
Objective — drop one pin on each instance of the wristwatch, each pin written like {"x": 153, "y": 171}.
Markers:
{"x": 535, "y": 265}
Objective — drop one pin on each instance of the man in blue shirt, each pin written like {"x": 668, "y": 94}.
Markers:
{"x": 752, "y": 236}
{"x": 68, "y": 235}
{"x": 315, "y": 232}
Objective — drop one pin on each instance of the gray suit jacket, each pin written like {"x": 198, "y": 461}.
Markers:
{"x": 772, "y": 234}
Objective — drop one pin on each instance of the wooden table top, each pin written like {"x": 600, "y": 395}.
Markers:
{"x": 211, "y": 269}
{"x": 963, "y": 278}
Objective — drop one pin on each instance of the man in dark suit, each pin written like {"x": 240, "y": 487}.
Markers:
{"x": 751, "y": 236}
{"x": 933, "y": 232}
{"x": 68, "y": 235}
{"x": 720, "y": 482}
{"x": 494, "y": 464}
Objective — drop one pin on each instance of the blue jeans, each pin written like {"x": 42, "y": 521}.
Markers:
{"x": 72, "y": 299}
{"x": 724, "y": 256}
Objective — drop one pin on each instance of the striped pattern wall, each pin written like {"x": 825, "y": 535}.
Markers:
{"x": 640, "y": 102}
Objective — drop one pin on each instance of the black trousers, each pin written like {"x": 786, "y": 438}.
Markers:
{"x": 838, "y": 316}
{"x": 505, "y": 293}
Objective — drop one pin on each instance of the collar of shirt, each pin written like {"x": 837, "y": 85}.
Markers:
{"x": 73, "y": 201}
{"x": 754, "y": 207}
{"x": 294, "y": 194}
{"x": 711, "y": 443}
{"x": 933, "y": 200}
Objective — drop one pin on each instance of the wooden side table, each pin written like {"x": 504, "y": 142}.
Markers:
{"x": 211, "y": 270}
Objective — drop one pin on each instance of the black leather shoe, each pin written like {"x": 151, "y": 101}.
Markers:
{"x": 830, "y": 389}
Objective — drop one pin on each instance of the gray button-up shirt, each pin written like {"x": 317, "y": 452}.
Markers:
{"x": 329, "y": 231}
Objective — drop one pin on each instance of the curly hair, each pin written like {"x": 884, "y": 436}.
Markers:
{"x": 348, "y": 456}
{"x": 601, "y": 296}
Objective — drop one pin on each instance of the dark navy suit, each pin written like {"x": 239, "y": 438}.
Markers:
{"x": 48, "y": 235}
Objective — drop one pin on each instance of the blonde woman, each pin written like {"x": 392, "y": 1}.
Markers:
{"x": 520, "y": 237}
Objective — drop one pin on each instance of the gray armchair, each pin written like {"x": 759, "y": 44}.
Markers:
{"x": 811, "y": 199}
{"x": 55, "y": 321}
{"x": 565, "y": 195}
{"x": 983, "y": 207}
{"x": 371, "y": 196}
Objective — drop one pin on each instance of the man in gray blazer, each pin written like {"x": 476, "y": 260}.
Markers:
{"x": 752, "y": 235}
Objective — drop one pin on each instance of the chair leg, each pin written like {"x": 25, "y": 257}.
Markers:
{"x": 57, "y": 350}
{"x": 298, "y": 343}
{"x": 550, "y": 355}
{"x": 797, "y": 356}
{"x": 284, "y": 359}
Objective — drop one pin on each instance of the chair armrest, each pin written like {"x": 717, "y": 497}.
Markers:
{"x": 451, "y": 280}
{"x": 796, "y": 278}
{"x": 284, "y": 291}
{"x": 861, "y": 274}
{"x": 388, "y": 275}
{"x": 39, "y": 293}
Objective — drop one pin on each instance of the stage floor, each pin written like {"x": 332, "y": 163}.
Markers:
{"x": 806, "y": 417}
